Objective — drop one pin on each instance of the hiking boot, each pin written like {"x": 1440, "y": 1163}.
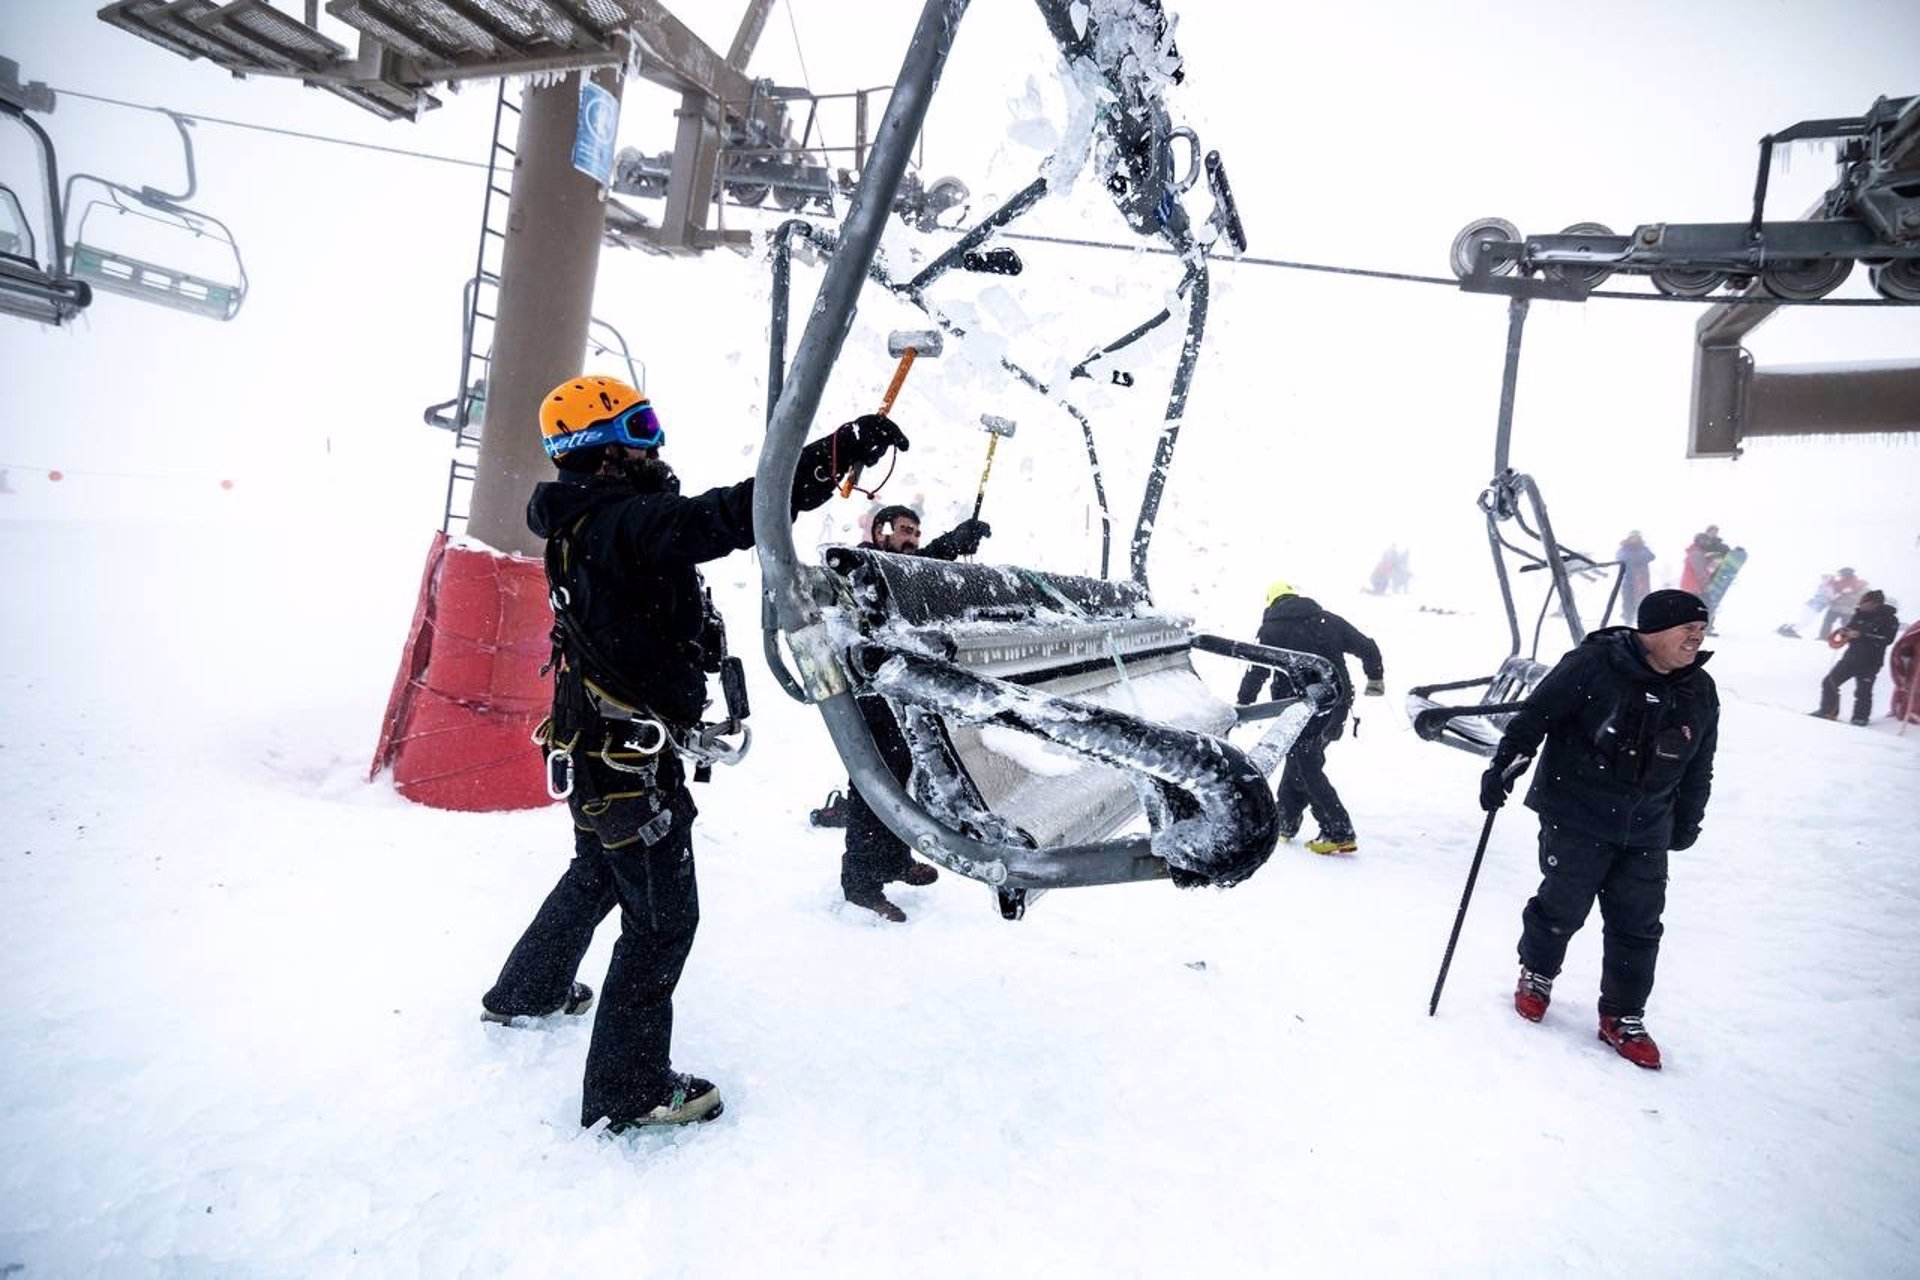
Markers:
{"x": 1628, "y": 1036}
{"x": 1862, "y": 720}
{"x": 689, "y": 1100}
{"x": 579, "y": 1000}
{"x": 1533, "y": 994}
{"x": 1324, "y": 843}
{"x": 875, "y": 901}
{"x": 1788, "y": 630}
{"x": 1287, "y": 833}
{"x": 918, "y": 874}
{"x": 1825, "y": 715}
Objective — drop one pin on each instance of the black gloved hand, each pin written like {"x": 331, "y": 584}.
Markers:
{"x": 1683, "y": 838}
{"x": 867, "y": 438}
{"x": 967, "y": 535}
{"x": 1496, "y": 785}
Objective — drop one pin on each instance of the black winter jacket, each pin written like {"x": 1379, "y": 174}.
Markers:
{"x": 1872, "y": 631}
{"x": 632, "y": 580}
{"x": 1298, "y": 622}
{"x": 1628, "y": 754}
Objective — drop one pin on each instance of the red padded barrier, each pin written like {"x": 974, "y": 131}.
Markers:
{"x": 1904, "y": 661}
{"x": 469, "y": 690}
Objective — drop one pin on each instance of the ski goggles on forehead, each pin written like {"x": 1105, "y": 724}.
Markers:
{"x": 635, "y": 425}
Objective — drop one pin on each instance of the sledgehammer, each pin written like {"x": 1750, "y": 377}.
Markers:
{"x": 908, "y": 344}
{"x": 996, "y": 427}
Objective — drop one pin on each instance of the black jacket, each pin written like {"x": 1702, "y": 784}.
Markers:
{"x": 1873, "y": 630}
{"x": 1628, "y": 753}
{"x": 631, "y": 576}
{"x": 1297, "y": 622}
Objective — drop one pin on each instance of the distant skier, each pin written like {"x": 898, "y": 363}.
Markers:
{"x": 1634, "y": 556}
{"x": 1292, "y": 621}
{"x": 1629, "y": 721}
{"x": 1867, "y": 634}
{"x": 1702, "y": 558}
{"x": 1847, "y": 591}
{"x": 874, "y": 856}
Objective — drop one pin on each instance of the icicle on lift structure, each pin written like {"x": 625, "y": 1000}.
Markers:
{"x": 973, "y": 657}
{"x": 34, "y": 283}
{"x": 1871, "y": 214}
{"x": 102, "y": 256}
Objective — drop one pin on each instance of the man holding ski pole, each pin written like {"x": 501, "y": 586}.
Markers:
{"x": 1626, "y": 726}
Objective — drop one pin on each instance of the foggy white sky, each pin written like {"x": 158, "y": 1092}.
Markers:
{"x": 1365, "y": 135}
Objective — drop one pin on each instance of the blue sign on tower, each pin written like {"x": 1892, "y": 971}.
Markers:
{"x": 598, "y": 121}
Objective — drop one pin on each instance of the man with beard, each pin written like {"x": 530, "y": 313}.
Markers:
{"x": 1630, "y": 723}
{"x": 873, "y": 856}
{"x": 635, "y": 635}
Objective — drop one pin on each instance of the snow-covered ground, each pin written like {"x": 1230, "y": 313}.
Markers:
{"x": 240, "y": 983}
{"x": 241, "y": 987}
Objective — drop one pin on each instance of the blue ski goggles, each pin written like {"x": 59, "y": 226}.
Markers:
{"x": 635, "y": 425}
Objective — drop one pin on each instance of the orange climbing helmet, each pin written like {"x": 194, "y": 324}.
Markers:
{"x": 592, "y": 412}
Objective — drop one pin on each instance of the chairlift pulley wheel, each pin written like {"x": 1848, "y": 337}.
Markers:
{"x": 1466, "y": 246}
{"x": 1898, "y": 279}
{"x": 751, "y": 194}
{"x": 1580, "y": 277}
{"x": 1686, "y": 282}
{"x": 1804, "y": 279}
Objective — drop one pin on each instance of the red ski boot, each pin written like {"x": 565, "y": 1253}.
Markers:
{"x": 1533, "y": 994}
{"x": 1629, "y": 1038}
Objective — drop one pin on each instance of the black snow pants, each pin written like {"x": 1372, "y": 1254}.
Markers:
{"x": 1631, "y": 883}
{"x": 1864, "y": 670}
{"x": 634, "y": 850}
{"x": 874, "y": 855}
{"x": 1303, "y": 786}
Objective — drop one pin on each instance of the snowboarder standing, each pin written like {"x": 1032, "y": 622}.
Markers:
{"x": 873, "y": 855}
{"x": 1293, "y": 621}
{"x": 1630, "y": 722}
{"x": 1634, "y": 556}
{"x": 1702, "y": 558}
{"x": 1867, "y": 635}
{"x": 635, "y": 635}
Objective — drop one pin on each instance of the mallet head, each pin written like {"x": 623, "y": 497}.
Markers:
{"x": 924, "y": 343}
{"x": 997, "y": 425}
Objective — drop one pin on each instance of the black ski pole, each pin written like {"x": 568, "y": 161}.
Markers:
{"x": 1511, "y": 772}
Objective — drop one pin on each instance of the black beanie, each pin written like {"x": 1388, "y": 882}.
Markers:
{"x": 1664, "y": 609}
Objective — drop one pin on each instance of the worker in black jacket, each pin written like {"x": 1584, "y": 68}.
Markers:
{"x": 1629, "y": 722}
{"x": 635, "y": 636}
{"x": 1873, "y": 627}
{"x": 1293, "y": 621}
{"x": 873, "y": 856}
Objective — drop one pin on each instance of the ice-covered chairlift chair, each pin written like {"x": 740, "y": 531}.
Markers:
{"x": 1003, "y": 675}
{"x": 1477, "y": 726}
{"x": 117, "y": 271}
{"x": 31, "y": 287}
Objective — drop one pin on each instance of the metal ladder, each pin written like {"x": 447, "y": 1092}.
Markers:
{"x": 482, "y": 304}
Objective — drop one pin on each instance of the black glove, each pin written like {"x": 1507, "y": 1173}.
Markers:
{"x": 1376, "y": 688}
{"x": 1683, "y": 838}
{"x": 867, "y": 438}
{"x": 1496, "y": 785}
{"x": 967, "y": 535}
